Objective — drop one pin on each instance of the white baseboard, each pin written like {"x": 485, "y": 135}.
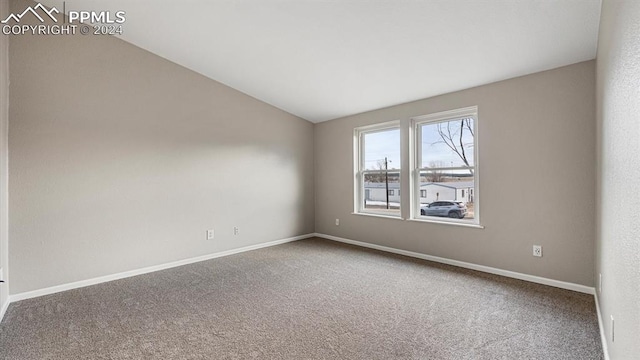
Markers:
{"x": 466, "y": 265}
{"x": 146, "y": 270}
{"x": 603, "y": 338}
{"x": 5, "y": 287}
{"x": 3, "y": 308}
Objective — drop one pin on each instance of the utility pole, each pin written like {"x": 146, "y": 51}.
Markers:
{"x": 386, "y": 179}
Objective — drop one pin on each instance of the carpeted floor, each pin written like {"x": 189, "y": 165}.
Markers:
{"x": 310, "y": 299}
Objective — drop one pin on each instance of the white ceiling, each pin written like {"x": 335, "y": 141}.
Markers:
{"x": 326, "y": 59}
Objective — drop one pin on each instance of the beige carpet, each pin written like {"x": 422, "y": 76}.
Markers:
{"x": 311, "y": 299}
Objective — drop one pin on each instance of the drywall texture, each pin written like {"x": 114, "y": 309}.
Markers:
{"x": 120, "y": 160}
{"x": 4, "y": 123}
{"x": 618, "y": 231}
{"x": 536, "y": 138}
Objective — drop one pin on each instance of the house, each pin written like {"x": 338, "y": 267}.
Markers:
{"x": 429, "y": 191}
{"x": 179, "y": 179}
{"x": 456, "y": 191}
{"x": 375, "y": 192}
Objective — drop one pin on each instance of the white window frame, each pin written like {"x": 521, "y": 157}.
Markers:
{"x": 416, "y": 162}
{"x": 360, "y": 169}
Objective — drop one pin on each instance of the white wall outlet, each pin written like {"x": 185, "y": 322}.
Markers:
{"x": 613, "y": 327}
{"x": 210, "y": 234}
{"x": 337, "y": 222}
{"x": 236, "y": 231}
{"x": 537, "y": 250}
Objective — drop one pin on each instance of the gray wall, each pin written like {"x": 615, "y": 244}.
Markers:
{"x": 618, "y": 231}
{"x": 121, "y": 160}
{"x": 537, "y": 177}
{"x": 4, "y": 123}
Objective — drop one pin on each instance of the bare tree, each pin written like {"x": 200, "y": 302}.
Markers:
{"x": 379, "y": 176}
{"x": 452, "y": 135}
{"x": 435, "y": 175}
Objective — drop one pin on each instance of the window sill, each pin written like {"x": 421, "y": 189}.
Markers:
{"x": 378, "y": 216}
{"x": 444, "y": 222}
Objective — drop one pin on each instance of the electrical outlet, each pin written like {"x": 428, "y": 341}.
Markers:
{"x": 537, "y": 250}
{"x": 613, "y": 327}
{"x": 210, "y": 234}
{"x": 337, "y": 222}
{"x": 236, "y": 231}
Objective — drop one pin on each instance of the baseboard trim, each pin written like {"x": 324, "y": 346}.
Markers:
{"x": 5, "y": 287}
{"x": 603, "y": 338}
{"x": 3, "y": 309}
{"x": 466, "y": 265}
{"x": 146, "y": 270}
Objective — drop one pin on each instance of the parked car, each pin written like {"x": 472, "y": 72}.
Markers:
{"x": 452, "y": 209}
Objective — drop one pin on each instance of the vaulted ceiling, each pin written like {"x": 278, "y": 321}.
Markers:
{"x": 326, "y": 59}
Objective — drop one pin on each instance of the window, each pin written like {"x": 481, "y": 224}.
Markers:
{"x": 445, "y": 161}
{"x": 377, "y": 169}
{"x": 443, "y": 175}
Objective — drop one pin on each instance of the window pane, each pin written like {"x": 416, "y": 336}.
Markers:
{"x": 439, "y": 187}
{"x": 375, "y": 193}
{"x": 447, "y": 144}
{"x": 381, "y": 145}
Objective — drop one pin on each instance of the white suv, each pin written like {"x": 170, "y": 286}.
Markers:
{"x": 452, "y": 209}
